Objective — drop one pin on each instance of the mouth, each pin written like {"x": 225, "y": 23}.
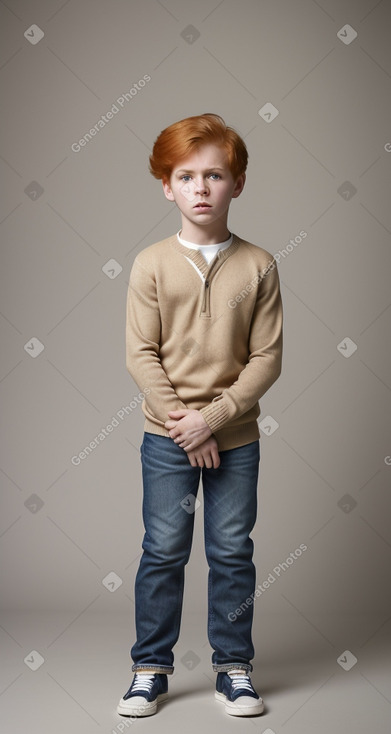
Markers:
{"x": 202, "y": 205}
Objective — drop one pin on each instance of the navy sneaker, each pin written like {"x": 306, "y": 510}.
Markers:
{"x": 143, "y": 696}
{"x": 236, "y": 691}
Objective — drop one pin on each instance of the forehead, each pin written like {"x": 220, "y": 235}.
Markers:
{"x": 208, "y": 156}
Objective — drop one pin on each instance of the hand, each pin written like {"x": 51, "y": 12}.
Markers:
{"x": 187, "y": 428}
{"x": 206, "y": 454}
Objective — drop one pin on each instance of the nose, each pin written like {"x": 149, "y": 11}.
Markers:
{"x": 200, "y": 185}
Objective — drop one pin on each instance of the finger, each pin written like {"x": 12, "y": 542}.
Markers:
{"x": 189, "y": 444}
{"x": 174, "y": 433}
{"x": 192, "y": 459}
{"x": 215, "y": 457}
{"x": 208, "y": 461}
{"x": 179, "y": 439}
{"x": 177, "y": 413}
{"x": 170, "y": 424}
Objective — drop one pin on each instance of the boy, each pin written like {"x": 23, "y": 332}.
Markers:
{"x": 204, "y": 342}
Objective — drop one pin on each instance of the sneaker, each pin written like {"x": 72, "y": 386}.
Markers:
{"x": 236, "y": 691}
{"x": 143, "y": 696}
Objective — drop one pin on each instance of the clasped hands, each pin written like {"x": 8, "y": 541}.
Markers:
{"x": 191, "y": 432}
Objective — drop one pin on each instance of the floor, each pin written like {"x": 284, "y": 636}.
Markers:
{"x": 64, "y": 673}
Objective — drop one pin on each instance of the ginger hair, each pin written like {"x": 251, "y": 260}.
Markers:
{"x": 182, "y": 138}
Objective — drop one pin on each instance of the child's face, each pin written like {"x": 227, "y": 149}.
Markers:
{"x": 203, "y": 176}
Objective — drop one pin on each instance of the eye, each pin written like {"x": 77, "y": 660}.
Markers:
{"x": 216, "y": 175}
{"x": 185, "y": 176}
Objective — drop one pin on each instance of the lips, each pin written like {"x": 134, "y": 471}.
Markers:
{"x": 201, "y": 204}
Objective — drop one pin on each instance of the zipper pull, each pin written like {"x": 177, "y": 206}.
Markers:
{"x": 204, "y": 300}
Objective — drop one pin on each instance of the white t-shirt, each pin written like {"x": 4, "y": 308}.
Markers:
{"x": 207, "y": 251}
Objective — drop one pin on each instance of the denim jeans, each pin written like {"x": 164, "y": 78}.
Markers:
{"x": 170, "y": 487}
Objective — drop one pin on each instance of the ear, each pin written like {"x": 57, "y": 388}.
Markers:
{"x": 167, "y": 190}
{"x": 239, "y": 186}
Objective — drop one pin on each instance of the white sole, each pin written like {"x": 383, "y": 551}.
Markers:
{"x": 235, "y": 710}
{"x": 148, "y": 708}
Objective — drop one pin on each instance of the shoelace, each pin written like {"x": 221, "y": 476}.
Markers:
{"x": 241, "y": 681}
{"x": 143, "y": 682}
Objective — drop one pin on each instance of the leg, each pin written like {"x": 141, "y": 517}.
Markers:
{"x": 230, "y": 507}
{"x": 168, "y": 478}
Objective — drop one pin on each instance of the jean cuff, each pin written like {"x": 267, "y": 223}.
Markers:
{"x": 233, "y": 666}
{"x": 149, "y": 667}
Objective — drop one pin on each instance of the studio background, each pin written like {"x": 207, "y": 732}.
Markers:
{"x": 312, "y": 101}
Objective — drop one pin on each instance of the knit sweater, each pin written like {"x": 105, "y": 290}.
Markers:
{"x": 212, "y": 344}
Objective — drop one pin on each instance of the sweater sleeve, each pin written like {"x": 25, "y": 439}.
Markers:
{"x": 264, "y": 360}
{"x": 143, "y": 328}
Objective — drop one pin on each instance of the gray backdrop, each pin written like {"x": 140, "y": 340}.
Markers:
{"x": 307, "y": 84}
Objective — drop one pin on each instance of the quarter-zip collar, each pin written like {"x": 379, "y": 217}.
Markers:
{"x": 198, "y": 258}
{"x": 208, "y": 271}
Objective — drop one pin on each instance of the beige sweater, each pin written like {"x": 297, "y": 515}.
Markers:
{"x": 213, "y": 343}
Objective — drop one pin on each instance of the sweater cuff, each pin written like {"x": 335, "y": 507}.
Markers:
{"x": 215, "y": 415}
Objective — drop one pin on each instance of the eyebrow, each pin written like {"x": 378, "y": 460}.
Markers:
{"x": 214, "y": 168}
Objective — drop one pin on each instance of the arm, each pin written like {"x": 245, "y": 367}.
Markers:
{"x": 143, "y": 363}
{"x": 261, "y": 371}
{"x": 143, "y": 343}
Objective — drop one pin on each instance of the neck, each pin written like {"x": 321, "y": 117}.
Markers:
{"x": 212, "y": 235}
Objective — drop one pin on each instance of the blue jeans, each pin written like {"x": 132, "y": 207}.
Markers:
{"x": 230, "y": 509}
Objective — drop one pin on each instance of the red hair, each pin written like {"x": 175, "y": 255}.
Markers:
{"x": 182, "y": 138}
